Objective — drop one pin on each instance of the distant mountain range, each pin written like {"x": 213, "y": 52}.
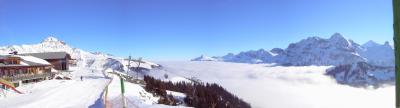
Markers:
{"x": 315, "y": 51}
{"x": 204, "y": 58}
{"x": 369, "y": 63}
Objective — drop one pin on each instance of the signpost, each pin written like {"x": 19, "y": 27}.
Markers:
{"x": 123, "y": 92}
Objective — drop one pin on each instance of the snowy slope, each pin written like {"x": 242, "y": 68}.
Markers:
{"x": 268, "y": 86}
{"x": 137, "y": 97}
{"x": 59, "y": 93}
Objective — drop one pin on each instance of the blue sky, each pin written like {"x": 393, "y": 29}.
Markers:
{"x": 184, "y": 29}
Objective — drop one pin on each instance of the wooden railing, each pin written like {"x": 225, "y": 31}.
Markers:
{"x": 25, "y": 76}
{"x": 130, "y": 79}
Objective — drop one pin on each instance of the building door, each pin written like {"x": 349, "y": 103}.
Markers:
{"x": 63, "y": 65}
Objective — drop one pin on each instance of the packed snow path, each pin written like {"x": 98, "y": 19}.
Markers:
{"x": 59, "y": 93}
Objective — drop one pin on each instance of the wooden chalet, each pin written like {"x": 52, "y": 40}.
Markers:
{"x": 23, "y": 69}
{"x": 59, "y": 60}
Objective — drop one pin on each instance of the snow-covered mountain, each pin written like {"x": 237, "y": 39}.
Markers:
{"x": 335, "y": 50}
{"x": 258, "y": 56}
{"x": 366, "y": 61}
{"x": 94, "y": 60}
{"x": 204, "y": 58}
{"x": 317, "y": 51}
{"x": 378, "y": 54}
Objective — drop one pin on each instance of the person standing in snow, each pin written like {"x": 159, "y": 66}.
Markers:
{"x": 81, "y": 78}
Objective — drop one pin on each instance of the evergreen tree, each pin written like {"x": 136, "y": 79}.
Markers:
{"x": 197, "y": 95}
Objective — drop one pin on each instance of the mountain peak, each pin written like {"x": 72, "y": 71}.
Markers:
{"x": 261, "y": 50}
{"x": 370, "y": 43}
{"x": 337, "y": 36}
{"x": 52, "y": 39}
{"x": 387, "y": 43}
{"x": 339, "y": 40}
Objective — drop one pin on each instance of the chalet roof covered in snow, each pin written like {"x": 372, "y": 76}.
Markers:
{"x": 49, "y": 55}
{"x": 25, "y": 61}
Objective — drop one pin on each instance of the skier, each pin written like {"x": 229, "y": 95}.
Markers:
{"x": 81, "y": 78}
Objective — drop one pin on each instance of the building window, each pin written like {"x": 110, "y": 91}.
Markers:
{"x": 24, "y": 71}
{"x": 11, "y": 62}
{"x": 5, "y": 72}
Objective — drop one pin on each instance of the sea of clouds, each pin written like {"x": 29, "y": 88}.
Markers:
{"x": 269, "y": 86}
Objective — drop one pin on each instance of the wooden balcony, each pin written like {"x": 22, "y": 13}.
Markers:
{"x": 23, "y": 77}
